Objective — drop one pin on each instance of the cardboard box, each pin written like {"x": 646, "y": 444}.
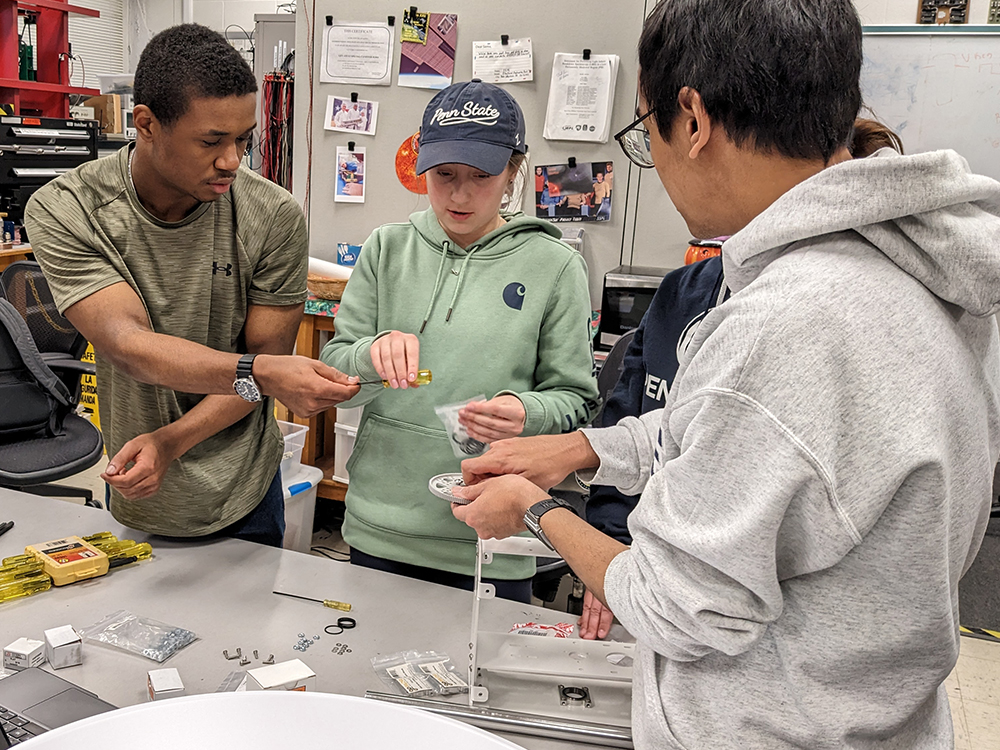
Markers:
{"x": 164, "y": 683}
{"x": 108, "y": 110}
{"x": 63, "y": 647}
{"x": 24, "y": 653}
{"x": 288, "y": 675}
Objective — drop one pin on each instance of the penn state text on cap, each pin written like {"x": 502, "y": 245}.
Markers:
{"x": 471, "y": 123}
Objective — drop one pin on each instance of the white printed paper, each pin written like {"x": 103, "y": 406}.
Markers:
{"x": 496, "y": 62}
{"x": 359, "y": 53}
{"x": 580, "y": 97}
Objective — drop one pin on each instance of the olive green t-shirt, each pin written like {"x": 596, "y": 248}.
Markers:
{"x": 196, "y": 279}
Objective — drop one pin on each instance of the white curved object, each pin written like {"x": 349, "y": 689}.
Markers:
{"x": 269, "y": 720}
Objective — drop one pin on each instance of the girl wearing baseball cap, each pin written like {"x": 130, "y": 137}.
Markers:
{"x": 493, "y": 303}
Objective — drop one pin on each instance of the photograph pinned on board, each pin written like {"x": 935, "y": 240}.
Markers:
{"x": 429, "y": 64}
{"x": 414, "y": 26}
{"x": 351, "y": 117}
{"x": 350, "y": 175}
{"x": 578, "y": 192}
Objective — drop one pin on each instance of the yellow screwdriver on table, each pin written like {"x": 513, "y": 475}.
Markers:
{"x": 342, "y": 606}
{"x": 423, "y": 378}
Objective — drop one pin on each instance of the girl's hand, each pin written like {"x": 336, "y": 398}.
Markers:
{"x": 396, "y": 357}
{"x": 499, "y": 418}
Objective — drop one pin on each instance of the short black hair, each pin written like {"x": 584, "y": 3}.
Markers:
{"x": 778, "y": 75}
{"x": 188, "y": 61}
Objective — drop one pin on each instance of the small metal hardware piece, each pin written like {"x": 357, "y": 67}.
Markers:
{"x": 570, "y": 694}
{"x": 269, "y": 660}
{"x": 239, "y": 652}
{"x": 302, "y": 635}
{"x": 255, "y": 654}
{"x": 244, "y": 661}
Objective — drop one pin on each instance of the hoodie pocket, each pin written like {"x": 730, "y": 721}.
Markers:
{"x": 390, "y": 467}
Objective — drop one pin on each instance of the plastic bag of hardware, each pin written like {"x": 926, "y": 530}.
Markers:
{"x": 396, "y": 671}
{"x": 461, "y": 443}
{"x": 150, "y": 638}
{"x": 441, "y": 671}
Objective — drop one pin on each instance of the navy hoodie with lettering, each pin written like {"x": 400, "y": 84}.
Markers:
{"x": 678, "y": 307}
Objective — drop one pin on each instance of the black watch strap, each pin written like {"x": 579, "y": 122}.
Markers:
{"x": 539, "y": 509}
{"x": 244, "y": 368}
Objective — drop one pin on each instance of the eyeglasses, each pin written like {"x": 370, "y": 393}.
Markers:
{"x": 634, "y": 141}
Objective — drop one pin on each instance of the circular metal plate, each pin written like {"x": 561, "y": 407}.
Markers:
{"x": 442, "y": 485}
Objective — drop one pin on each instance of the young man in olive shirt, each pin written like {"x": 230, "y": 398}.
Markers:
{"x": 173, "y": 260}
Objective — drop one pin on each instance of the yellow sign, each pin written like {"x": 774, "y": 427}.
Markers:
{"x": 88, "y": 389}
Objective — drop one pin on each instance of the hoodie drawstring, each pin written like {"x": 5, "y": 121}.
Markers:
{"x": 437, "y": 285}
{"x": 458, "y": 286}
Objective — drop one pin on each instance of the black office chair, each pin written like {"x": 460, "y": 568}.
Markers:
{"x": 42, "y": 439}
{"x": 60, "y": 344}
{"x": 549, "y": 572}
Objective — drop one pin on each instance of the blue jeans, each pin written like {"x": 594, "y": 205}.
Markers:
{"x": 517, "y": 590}
{"x": 265, "y": 524}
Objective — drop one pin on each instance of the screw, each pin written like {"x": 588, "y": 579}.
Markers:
{"x": 315, "y": 637}
{"x": 244, "y": 661}
{"x": 269, "y": 659}
{"x": 225, "y": 652}
{"x": 348, "y": 650}
{"x": 255, "y": 654}
{"x": 302, "y": 635}
{"x": 239, "y": 652}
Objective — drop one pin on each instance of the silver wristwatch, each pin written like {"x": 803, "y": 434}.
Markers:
{"x": 245, "y": 385}
{"x": 533, "y": 517}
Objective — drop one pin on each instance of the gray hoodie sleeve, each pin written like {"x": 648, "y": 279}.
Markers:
{"x": 715, "y": 534}
{"x": 627, "y": 450}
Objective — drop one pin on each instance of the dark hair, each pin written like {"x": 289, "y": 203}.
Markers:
{"x": 188, "y": 61}
{"x": 778, "y": 75}
{"x": 869, "y": 136}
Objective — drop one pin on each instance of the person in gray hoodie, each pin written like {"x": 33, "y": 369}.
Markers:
{"x": 819, "y": 478}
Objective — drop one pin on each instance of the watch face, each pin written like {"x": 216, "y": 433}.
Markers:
{"x": 247, "y": 389}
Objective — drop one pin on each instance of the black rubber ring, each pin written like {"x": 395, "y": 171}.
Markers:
{"x": 347, "y": 623}
{"x": 330, "y": 632}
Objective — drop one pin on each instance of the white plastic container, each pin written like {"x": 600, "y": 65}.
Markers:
{"x": 295, "y": 440}
{"x": 299, "y": 489}
{"x": 342, "y": 448}
{"x": 350, "y": 417}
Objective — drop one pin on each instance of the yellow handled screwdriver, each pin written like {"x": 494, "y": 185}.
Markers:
{"x": 423, "y": 378}
{"x": 10, "y": 573}
{"x": 342, "y": 606}
{"x": 25, "y": 587}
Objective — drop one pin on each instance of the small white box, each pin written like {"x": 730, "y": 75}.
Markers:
{"x": 164, "y": 683}
{"x": 24, "y": 653}
{"x": 63, "y": 647}
{"x": 288, "y": 675}
{"x": 343, "y": 446}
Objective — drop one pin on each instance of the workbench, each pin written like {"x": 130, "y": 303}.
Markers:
{"x": 221, "y": 589}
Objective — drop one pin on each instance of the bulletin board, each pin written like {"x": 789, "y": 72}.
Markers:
{"x": 602, "y": 27}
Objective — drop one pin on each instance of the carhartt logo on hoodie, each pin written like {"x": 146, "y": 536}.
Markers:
{"x": 513, "y": 295}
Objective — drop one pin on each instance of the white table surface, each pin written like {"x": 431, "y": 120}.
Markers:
{"x": 221, "y": 590}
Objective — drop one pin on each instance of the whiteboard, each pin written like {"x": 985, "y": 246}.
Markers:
{"x": 937, "y": 90}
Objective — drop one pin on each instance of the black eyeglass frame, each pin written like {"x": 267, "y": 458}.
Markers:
{"x": 634, "y": 126}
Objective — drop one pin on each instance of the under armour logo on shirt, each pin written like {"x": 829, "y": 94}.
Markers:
{"x": 228, "y": 268}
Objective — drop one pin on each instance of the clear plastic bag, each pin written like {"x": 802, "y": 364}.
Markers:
{"x": 441, "y": 671}
{"x": 462, "y": 444}
{"x": 401, "y": 676}
{"x": 140, "y": 635}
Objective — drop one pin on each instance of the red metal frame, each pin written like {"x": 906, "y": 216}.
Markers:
{"x": 48, "y": 96}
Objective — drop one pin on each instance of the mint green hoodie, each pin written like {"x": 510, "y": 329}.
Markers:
{"x": 509, "y": 314}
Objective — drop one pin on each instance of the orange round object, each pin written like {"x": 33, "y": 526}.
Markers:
{"x": 406, "y": 166}
{"x": 697, "y": 251}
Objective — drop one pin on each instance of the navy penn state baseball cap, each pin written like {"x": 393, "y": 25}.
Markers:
{"x": 472, "y": 123}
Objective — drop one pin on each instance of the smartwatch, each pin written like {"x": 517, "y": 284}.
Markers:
{"x": 533, "y": 517}
{"x": 245, "y": 385}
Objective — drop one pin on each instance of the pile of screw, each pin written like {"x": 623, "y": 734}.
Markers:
{"x": 244, "y": 660}
{"x": 340, "y": 649}
{"x": 304, "y": 643}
